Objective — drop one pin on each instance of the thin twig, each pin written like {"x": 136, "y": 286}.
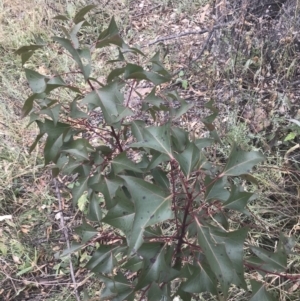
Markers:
{"x": 146, "y": 12}
{"x": 65, "y": 231}
{"x": 175, "y": 36}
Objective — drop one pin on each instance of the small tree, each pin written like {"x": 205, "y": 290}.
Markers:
{"x": 165, "y": 205}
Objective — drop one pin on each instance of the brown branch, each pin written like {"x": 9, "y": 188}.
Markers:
{"x": 283, "y": 275}
{"x": 183, "y": 34}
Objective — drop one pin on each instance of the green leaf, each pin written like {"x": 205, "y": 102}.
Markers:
{"x": 215, "y": 189}
{"x": 111, "y": 30}
{"x": 75, "y": 112}
{"x": 188, "y": 159}
{"x": 116, "y": 289}
{"x": 259, "y": 292}
{"x": 86, "y": 231}
{"x": 155, "y": 292}
{"x": 155, "y": 269}
{"x": 180, "y": 139}
{"x": 103, "y": 259}
{"x": 108, "y": 187}
{"x": 121, "y": 216}
{"x": 121, "y": 163}
{"x": 79, "y": 148}
{"x": 204, "y": 142}
{"x": 297, "y": 122}
{"x": 217, "y": 257}
{"x": 30, "y": 48}
{"x": 241, "y": 162}
{"x": 153, "y": 99}
{"x": 79, "y": 189}
{"x": 65, "y": 43}
{"x": 137, "y": 129}
{"x": 74, "y": 248}
{"x": 160, "y": 178}
{"x": 57, "y": 82}
{"x": 73, "y": 34}
{"x": 52, "y": 113}
{"x": 115, "y": 73}
{"x": 82, "y": 12}
{"x": 37, "y": 82}
{"x": 54, "y": 140}
{"x": 156, "y": 159}
{"x": 26, "y": 56}
{"x": 234, "y": 245}
{"x": 290, "y": 136}
{"x": 28, "y": 105}
{"x": 237, "y": 199}
{"x": 152, "y": 206}
{"x": 138, "y": 73}
{"x": 110, "y": 100}
{"x": 183, "y": 108}
{"x": 94, "y": 210}
{"x": 272, "y": 261}
{"x": 158, "y": 138}
{"x": 202, "y": 279}
{"x": 61, "y": 17}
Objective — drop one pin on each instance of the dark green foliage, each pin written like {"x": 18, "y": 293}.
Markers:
{"x": 142, "y": 179}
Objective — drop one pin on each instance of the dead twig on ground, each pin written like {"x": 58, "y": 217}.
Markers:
{"x": 183, "y": 34}
{"x": 148, "y": 11}
{"x": 65, "y": 231}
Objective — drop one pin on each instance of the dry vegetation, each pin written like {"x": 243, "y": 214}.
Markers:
{"x": 247, "y": 62}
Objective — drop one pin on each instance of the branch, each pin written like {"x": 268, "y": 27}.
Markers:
{"x": 176, "y": 36}
{"x": 65, "y": 231}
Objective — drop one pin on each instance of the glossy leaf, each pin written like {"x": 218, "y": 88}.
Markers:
{"x": 37, "y": 82}
{"x": 121, "y": 216}
{"x": 117, "y": 289}
{"x": 61, "y": 17}
{"x": 155, "y": 270}
{"x": 259, "y": 292}
{"x": 152, "y": 205}
{"x": 188, "y": 159}
{"x": 79, "y": 148}
{"x": 81, "y": 13}
{"x": 217, "y": 257}
{"x": 28, "y": 105}
{"x": 65, "y": 43}
{"x": 153, "y": 99}
{"x": 121, "y": 163}
{"x": 215, "y": 189}
{"x": 103, "y": 259}
{"x": 138, "y": 73}
{"x": 238, "y": 199}
{"x": 86, "y": 231}
{"x": 53, "y": 113}
{"x": 57, "y": 82}
{"x": 94, "y": 209}
{"x": 234, "y": 245}
{"x": 137, "y": 128}
{"x": 28, "y": 48}
{"x": 202, "y": 279}
{"x": 272, "y": 261}
{"x": 241, "y": 162}
{"x": 79, "y": 188}
{"x": 158, "y": 138}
